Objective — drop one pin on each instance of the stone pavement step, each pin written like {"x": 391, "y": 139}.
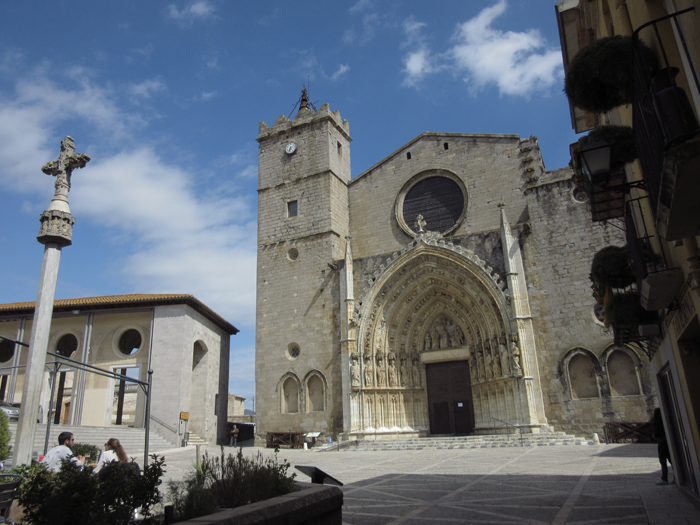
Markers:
{"x": 132, "y": 439}
{"x": 461, "y": 442}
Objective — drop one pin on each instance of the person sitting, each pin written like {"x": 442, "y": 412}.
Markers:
{"x": 113, "y": 452}
{"x": 55, "y": 457}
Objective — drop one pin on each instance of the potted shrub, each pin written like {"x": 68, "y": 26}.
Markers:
{"x": 621, "y": 139}
{"x": 599, "y": 77}
{"x": 625, "y": 313}
{"x": 612, "y": 268}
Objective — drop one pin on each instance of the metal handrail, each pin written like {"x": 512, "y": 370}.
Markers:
{"x": 505, "y": 423}
{"x": 154, "y": 418}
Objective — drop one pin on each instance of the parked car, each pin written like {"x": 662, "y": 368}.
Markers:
{"x": 19, "y": 405}
{"x": 11, "y": 412}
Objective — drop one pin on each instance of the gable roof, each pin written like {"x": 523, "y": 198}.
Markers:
{"x": 475, "y": 136}
{"x": 135, "y": 300}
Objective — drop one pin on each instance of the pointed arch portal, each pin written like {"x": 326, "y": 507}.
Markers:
{"x": 436, "y": 350}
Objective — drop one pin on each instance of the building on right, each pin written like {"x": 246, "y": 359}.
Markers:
{"x": 632, "y": 84}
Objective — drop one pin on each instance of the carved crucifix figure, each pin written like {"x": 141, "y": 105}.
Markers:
{"x": 420, "y": 224}
{"x": 63, "y": 167}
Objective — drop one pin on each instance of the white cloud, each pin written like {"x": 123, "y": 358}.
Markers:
{"x": 517, "y": 63}
{"x": 417, "y": 65}
{"x": 182, "y": 238}
{"x": 344, "y": 68}
{"x": 370, "y": 24}
{"x": 361, "y": 5}
{"x": 146, "y": 88}
{"x": 419, "y": 62}
{"x": 200, "y": 9}
{"x": 204, "y": 96}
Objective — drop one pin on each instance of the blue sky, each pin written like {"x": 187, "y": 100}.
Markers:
{"x": 166, "y": 100}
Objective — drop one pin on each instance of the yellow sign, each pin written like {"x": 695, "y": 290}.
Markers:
{"x": 185, "y": 416}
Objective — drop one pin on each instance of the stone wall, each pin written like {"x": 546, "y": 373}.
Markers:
{"x": 558, "y": 253}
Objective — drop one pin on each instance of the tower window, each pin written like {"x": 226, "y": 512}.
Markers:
{"x": 408, "y": 155}
{"x": 340, "y": 149}
{"x": 446, "y": 146}
{"x": 292, "y": 209}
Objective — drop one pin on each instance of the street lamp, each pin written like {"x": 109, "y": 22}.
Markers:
{"x": 595, "y": 157}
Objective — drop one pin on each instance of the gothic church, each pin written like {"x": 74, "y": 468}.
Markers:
{"x": 444, "y": 290}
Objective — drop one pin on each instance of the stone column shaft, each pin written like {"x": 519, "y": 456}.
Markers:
{"x": 36, "y": 359}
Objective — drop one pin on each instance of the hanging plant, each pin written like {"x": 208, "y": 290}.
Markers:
{"x": 599, "y": 77}
{"x": 612, "y": 267}
{"x": 621, "y": 139}
{"x": 625, "y": 310}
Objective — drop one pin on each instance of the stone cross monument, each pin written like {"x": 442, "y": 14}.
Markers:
{"x": 55, "y": 233}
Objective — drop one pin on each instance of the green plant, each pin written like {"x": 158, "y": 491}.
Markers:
{"x": 74, "y": 496}
{"x": 612, "y": 267}
{"x": 230, "y": 481}
{"x": 5, "y": 436}
{"x": 86, "y": 449}
{"x": 621, "y": 138}
{"x": 626, "y": 310}
{"x": 599, "y": 77}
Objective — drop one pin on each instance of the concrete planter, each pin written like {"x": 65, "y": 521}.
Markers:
{"x": 310, "y": 505}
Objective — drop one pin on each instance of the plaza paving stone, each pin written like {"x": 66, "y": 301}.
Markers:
{"x": 554, "y": 485}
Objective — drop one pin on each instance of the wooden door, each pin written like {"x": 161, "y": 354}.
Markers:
{"x": 450, "y": 406}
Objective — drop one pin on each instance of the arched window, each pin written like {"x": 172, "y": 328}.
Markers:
{"x": 66, "y": 345}
{"x": 582, "y": 376}
{"x": 315, "y": 392}
{"x": 7, "y": 350}
{"x": 290, "y": 396}
{"x": 622, "y": 374}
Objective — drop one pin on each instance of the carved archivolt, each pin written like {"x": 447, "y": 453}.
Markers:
{"x": 430, "y": 299}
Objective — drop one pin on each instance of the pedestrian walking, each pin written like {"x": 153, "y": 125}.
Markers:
{"x": 234, "y": 436}
{"x": 660, "y": 438}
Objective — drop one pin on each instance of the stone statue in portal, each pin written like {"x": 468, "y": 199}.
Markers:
{"x": 368, "y": 371}
{"x": 515, "y": 354}
{"x": 503, "y": 352}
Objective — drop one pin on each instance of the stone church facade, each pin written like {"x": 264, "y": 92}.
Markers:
{"x": 444, "y": 290}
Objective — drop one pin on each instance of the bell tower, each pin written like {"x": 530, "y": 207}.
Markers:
{"x": 303, "y": 221}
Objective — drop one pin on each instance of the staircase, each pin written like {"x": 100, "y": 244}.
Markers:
{"x": 194, "y": 439}
{"x": 462, "y": 442}
{"x": 132, "y": 439}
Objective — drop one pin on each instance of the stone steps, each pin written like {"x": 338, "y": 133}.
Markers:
{"x": 132, "y": 439}
{"x": 463, "y": 442}
{"x": 194, "y": 439}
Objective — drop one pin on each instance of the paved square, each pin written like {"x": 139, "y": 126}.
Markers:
{"x": 605, "y": 484}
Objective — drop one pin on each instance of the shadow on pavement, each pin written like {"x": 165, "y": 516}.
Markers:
{"x": 617, "y": 498}
{"x": 630, "y": 450}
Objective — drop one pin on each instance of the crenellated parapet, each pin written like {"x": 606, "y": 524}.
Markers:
{"x": 304, "y": 117}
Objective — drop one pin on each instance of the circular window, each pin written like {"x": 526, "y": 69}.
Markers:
{"x": 130, "y": 342}
{"x": 293, "y": 254}
{"x": 66, "y": 345}
{"x": 439, "y": 200}
{"x": 598, "y": 313}
{"x": 7, "y": 350}
{"x": 579, "y": 195}
{"x": 293, "y": 351}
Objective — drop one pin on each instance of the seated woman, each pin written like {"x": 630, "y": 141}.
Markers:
{"x": 113, "y": 452}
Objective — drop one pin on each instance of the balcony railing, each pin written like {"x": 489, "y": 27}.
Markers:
{"x": 662, "y": 115}
{"x": 657, "y": 281}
